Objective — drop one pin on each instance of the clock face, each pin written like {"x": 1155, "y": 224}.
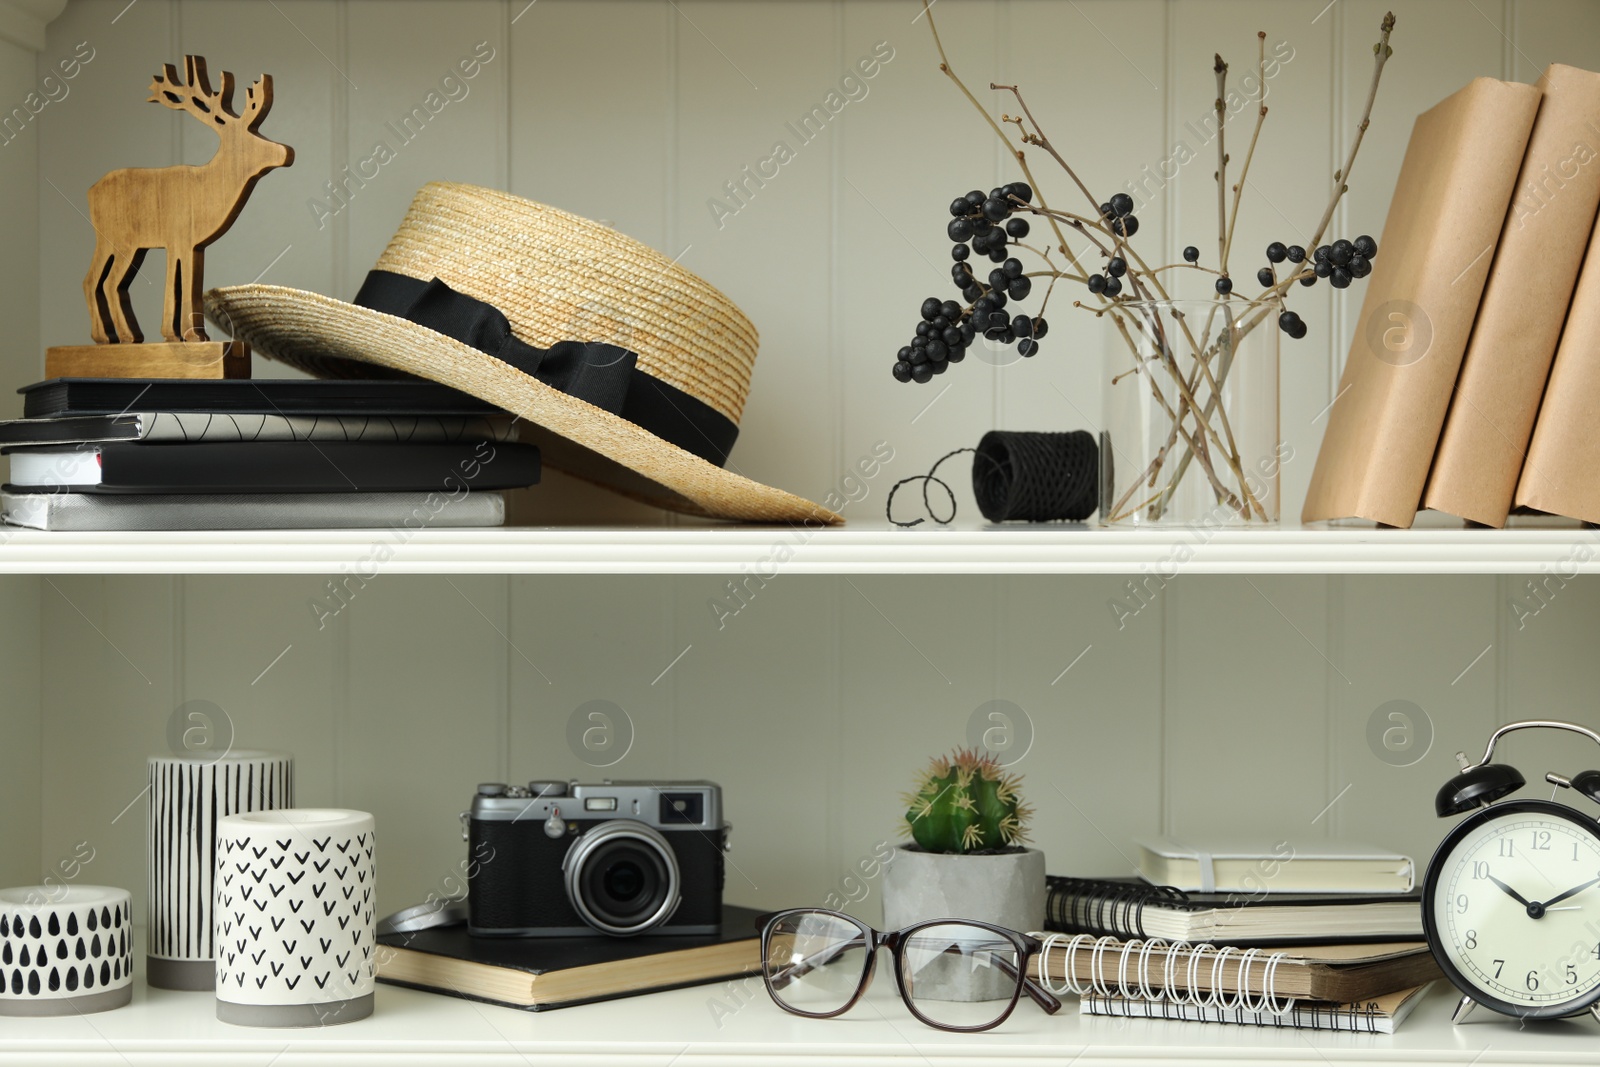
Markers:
{"x": 1512, "y": 907}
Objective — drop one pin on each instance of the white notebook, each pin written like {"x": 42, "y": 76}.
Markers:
{"x": 1379, "y": 1015}
{"x": 1262, "y": 866}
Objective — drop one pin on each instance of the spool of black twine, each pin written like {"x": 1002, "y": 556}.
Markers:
{"x": 1020, "y": 476}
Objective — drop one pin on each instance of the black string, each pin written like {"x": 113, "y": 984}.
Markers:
{"x": 1020, "y": 475}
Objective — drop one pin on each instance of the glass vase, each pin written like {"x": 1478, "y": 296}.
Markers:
{"x": 1190, "y": 433}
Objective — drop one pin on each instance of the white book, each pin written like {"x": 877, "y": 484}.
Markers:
{"x": 1262, "y": 866}
{"x": 251, "y": 511}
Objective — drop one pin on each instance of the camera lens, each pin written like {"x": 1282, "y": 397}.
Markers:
{"x": 622, "y": 877}
{"x": 623, "y": 880}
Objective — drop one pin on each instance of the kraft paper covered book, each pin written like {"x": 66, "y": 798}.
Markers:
{"x": 1562, "y": 472}
{"x": 1449, "y": 205}
{"x": 1507, "y": 362}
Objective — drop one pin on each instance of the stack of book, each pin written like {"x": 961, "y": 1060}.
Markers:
{"x": 169, "y": 454}
{"x": 1329, "y": 939}
{"x": 1475, "y": 368}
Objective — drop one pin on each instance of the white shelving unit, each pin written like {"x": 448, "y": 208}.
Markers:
{"x": 679, "y": 1029}
{"x": 858, "y": 548}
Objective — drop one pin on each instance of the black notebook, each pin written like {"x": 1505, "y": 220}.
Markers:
{"x": 276, "y": 467}
{"x": 267, "y": 396}
{"x": 540, "y": 973}
{"x": 1127, "y": 908}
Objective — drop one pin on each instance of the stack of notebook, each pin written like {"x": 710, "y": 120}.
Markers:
{"x": 167, "y": 454}
{"x": 1324, "y": 940}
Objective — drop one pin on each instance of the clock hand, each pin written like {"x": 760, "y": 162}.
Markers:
{"x": 1518, "y": 897}
{"x": 1574, "y": 891}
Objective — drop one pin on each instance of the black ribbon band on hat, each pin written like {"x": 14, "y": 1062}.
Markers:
{"x": 595, "y": 372}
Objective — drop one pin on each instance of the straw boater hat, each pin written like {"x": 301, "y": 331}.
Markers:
{"x": 629, "y": 370}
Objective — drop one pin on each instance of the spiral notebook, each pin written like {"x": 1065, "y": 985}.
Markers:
{"x": 1155, "y": 970}
{"x": 1128, "y": 908}
{"x": 1379, "y": 1015}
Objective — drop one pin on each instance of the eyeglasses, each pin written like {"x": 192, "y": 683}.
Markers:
{"x": 954, "y": 974}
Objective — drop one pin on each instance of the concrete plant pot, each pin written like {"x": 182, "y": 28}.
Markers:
{"x": 1004, "y": 890}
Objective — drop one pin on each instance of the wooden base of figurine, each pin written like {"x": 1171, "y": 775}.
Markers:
{"x": 160, "y": 359}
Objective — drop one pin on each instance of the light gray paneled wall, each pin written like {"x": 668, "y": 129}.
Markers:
{"x": 647, "y": 114}
{"x": 1154, "y": 704}
{"x": 1231, "y": 703}
{"x": 22, "y": 100}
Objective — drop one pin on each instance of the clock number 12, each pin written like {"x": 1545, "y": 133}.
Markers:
{"x": 1541, "y": 840}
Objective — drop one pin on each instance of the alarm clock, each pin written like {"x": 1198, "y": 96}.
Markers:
{"x": 1511, "y": 900}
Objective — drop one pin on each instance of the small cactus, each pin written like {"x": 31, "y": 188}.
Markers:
{"x": 964, "y": 803}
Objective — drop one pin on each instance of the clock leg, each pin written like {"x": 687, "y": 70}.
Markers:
{"x": 1595, "y": 1008}
{"x": 1463, "y": 1010}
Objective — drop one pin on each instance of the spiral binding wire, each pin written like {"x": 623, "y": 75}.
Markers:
{"x": 1137, "y": 953}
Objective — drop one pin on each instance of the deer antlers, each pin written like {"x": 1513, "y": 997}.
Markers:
{"x": 194, "y": 94}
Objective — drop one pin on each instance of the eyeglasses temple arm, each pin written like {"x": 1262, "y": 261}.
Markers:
{"x": 1038, "y": 993}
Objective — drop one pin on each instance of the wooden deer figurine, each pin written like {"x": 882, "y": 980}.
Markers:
{"x": 181, "y": 209}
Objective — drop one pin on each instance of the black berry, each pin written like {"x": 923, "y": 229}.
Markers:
{"x": 959, "y": 252}
{"x": 922, "y": 373}
{"x": 1192, "y": 254}
{"x": 1127, "y": 226}
{"x": 1359, "y": 266}
{"x": 1040, "y": 328}
{"x": 1097, "y": 283}
{"x": 1340, "y": 252}
{"x": 1020, "y": 288}
{"x": 975, "y": 199}
{"x": 902, "y": 371}
{"x": 1296, "y": 254}
{"x": 960, "y": 207}
{"x": 1106, "y": 212}
{"x": 1017, "y": 228}
{"x": 1309, "y": 280}
{"x": 1122, "y": 204}
{"x": 959, "y": 229}
{"x": 1365, "y": 246}
{"x": 931, "y": 308}
{"x": 1113, "y": 286}
{"x": 998, "y": 278}
{"x": 1340, "y": 279}
{"x": 1012, "y": 267}
{"x": 1276, "y": 253}
{"x": 1117, "y": 266}
{"x": 1022, "y": 326}
{"x": 1224, "y": 285}
{"x": 1028, "y": 347}
{"x": 996, "y": 210}
{"x": 1324, "y": 268}
{"x": 1264, "y": 276}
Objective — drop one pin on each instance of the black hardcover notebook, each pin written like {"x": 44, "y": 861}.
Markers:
{"x": 276, "y": 467}
{"x": 540, "y": 973}
{"x": 267, "y": 396}
{"x": 1128, "y": 908}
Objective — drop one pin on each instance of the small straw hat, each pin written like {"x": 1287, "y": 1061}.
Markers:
{"x": 629, "y": 370}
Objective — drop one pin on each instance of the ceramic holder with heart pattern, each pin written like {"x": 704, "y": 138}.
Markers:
{"x": 65, "y": 949}
{"x": 295, "y": 895}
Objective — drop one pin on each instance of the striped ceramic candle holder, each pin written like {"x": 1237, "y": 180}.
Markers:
{"x": 65, "y": 949}
{"x": 296, "y": 890}
{"x": 188, "y": 795}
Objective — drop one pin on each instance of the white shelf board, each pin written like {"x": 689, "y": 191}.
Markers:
{"x": 860, "y": 548}
{"x": 678, "y": 1029}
